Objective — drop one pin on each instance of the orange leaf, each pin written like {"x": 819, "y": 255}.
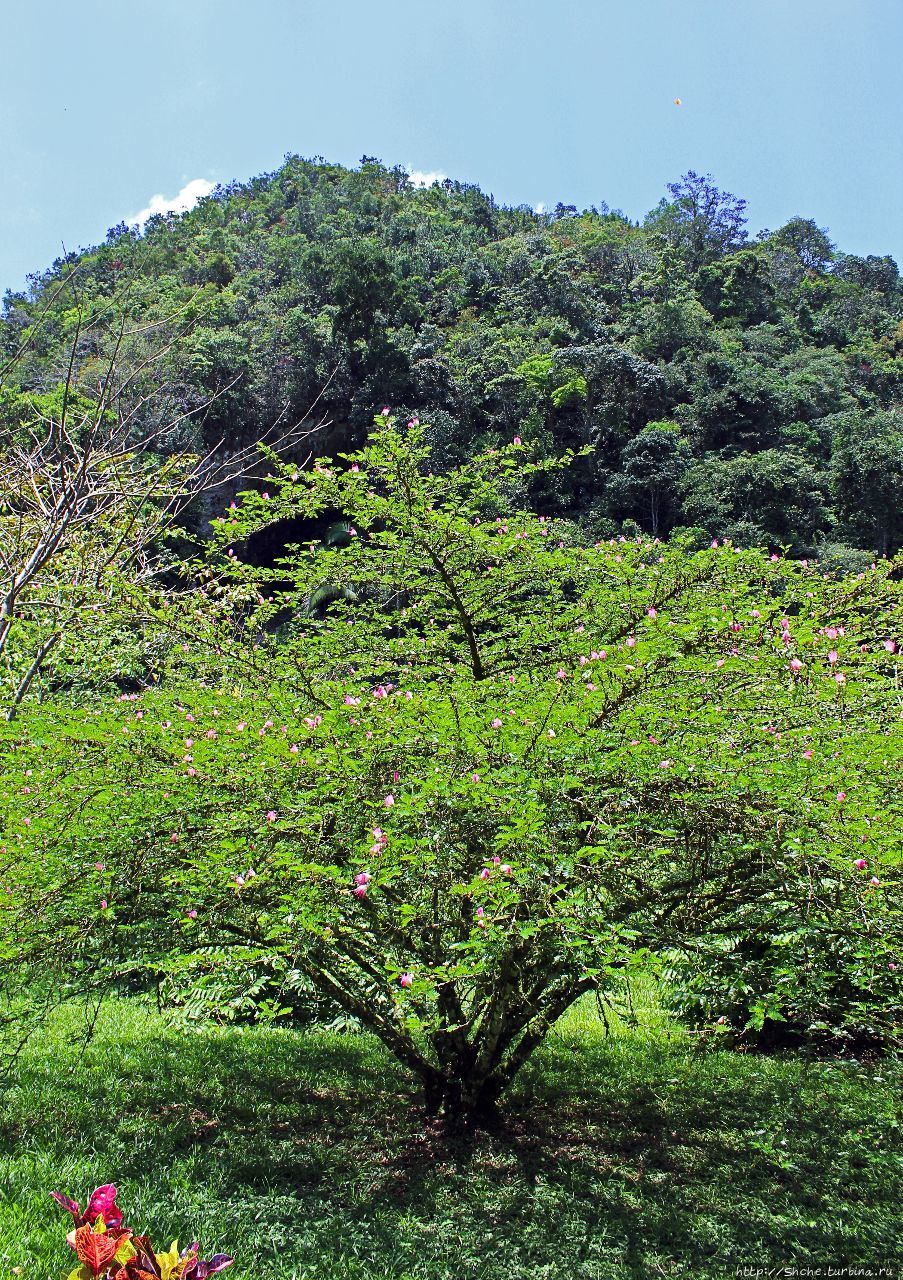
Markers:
{"x": 95, "y": 1249}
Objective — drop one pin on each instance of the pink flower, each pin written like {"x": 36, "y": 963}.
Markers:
{"x": 98, "y": 866}
{"x": 807, "y": 755}
{"x": 841, "y": 796}
{"x": 631, "y": 641}
{"x": 874, "y": 882}
{"x": 189, "y": 743}
{"x": 831, "y": 633}
{"x": 496, "y": 724}
{"x": 475, "y": 777}
{"x": 389, "y": 801}
{"x": 795, "y": 665}
{"x": 484, "y": 874}
{"x": 832, "y": 656}
{"x": 517, "y": 440}
{"x": 860, "y": 864}
{"x": 355, "y": 467}
{"x": 239, "y": 880}
{"x": 714, "y": 544}
{"x": 480, "y": 912}
{"x": 386, "y": 411}
{"x": 406, "y": 979}
{"x": 271, "y": 815}
{"x": 174, "y": 837}
{"x": 890, "y": 646}
{"x": 840, "y": 678}
{"x": 505, "y": 869}
{"x": 496, "y": 860}
{"x": 103, "y": 904}
{"x": 361, "y": 891}
{"x": 651, "y": 612}
{"x": 362, "y": 877}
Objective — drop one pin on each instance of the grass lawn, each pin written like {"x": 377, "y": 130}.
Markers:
{"x": 629, "y": 1153}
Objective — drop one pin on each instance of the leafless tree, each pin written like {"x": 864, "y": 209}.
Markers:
{"x": 88, "y": 494}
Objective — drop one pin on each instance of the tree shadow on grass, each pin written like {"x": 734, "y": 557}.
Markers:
{"x": 634, "y": 1149}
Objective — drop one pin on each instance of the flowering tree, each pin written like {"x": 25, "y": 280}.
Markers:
{"x": 497, "y": 770}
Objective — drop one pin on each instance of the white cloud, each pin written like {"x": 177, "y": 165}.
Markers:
{"x": 419, "y": 178}
{"x": 186, "y": 199}
{"x": 539, "y": 208}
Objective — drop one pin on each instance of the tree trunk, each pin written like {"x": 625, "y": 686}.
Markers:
{"x": 464, "y": 1090}
{"x": 464, "y": 1104}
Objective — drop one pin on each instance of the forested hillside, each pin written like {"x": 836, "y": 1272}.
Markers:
{"x": 737, "y": 386}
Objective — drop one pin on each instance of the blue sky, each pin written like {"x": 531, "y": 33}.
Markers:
{"x": 793, "y": 104}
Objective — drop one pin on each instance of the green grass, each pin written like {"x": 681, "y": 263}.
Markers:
{"x": 629, "y": 1154}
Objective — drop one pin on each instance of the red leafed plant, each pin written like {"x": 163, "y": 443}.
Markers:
{"x": 107, "y": 1249}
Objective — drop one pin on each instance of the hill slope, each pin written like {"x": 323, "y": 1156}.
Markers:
{"x": 745, "y": 388}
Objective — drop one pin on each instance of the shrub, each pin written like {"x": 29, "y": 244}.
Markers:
{"x": 509, "y": 770}
{"x": 106, "y": 1248}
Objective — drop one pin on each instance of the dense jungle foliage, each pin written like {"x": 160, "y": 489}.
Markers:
{"x": 747, "y": 387}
